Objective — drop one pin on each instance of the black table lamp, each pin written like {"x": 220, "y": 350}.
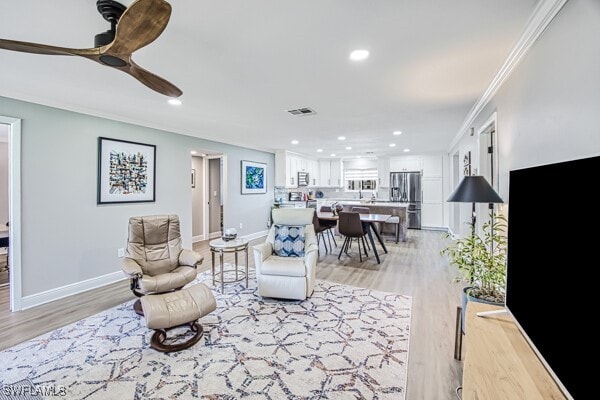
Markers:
{"x": 474, "y": 189}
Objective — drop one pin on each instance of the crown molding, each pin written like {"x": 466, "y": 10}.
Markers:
{"x": 541, "y": 17}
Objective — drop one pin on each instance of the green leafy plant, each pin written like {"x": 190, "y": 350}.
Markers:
{"x": 481, "y": 261}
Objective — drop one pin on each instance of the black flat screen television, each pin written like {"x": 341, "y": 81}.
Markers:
{"x": 552, "y": 266}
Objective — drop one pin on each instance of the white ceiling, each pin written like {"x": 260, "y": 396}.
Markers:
{"x": 242, "y": 63}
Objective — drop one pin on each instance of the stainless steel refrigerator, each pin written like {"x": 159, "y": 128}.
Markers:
{"x": 405, "y": 187}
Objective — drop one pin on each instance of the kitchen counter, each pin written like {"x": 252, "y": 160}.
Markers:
{"x": 352, "y": 202}
{"x": 392, "y": 208}
{"x": 376, "y": 203}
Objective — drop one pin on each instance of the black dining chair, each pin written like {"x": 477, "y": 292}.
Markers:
{"x": 329, "y": 224}
{"x": 351, "y": 227}
{"x": 320, "y": 230}
{"x": 363, "y": 210}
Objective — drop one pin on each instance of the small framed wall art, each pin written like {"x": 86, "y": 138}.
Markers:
{"x": 254, "y": 177}
{"x": 467, "y": 164}
{"x": 126, "y": 171}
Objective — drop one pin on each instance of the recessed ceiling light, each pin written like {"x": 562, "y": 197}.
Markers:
{"x": 295, "y": 142}
{"x": 397, "y": 133}
{"x": 194, "y": 152}
{"x": 348, "y": 148}
{"x": 359, "y": 55}
{"x": 175, "y": 102}
{"x": 341, "y": 137}
{"x": 332, "y": 154}
{"x": 319, "y": 150}
{"x": 406, "y": 150}
{"x": 392, "y": 144}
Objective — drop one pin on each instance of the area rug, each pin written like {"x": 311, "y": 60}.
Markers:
{"x": 342, "y": 343}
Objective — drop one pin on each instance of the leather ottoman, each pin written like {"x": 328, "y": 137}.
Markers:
{"x": 178, "y": 308}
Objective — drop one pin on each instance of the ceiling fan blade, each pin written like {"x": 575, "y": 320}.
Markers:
{"x": 37, "y": 48}
{"x": 154, "y": 82}
{"x": 140, "y": 25}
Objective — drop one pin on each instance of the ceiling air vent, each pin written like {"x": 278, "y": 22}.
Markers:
{"x": 302, "y": 111}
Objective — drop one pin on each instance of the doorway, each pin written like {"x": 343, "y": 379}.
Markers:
{"x": 198, "y": 197}
{"x": 215, "y": 197}
{"x": 12, "y": 128}
{"x": 487, "y": 139}
{"x": 4, "y": 238}
{"x": 455, "y": 207}
{"x": 209, "y": 184}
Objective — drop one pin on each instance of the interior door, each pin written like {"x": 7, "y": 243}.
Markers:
{"x": 215, "y": 214}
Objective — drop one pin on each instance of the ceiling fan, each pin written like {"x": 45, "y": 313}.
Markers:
{"x": 131, "y": 28}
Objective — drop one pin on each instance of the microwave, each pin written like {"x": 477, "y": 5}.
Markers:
{"x": 303, "y": 179}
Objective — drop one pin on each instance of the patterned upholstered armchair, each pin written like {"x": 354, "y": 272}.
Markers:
{"x": 286, "y": 263}
{"x": 154, "y": 260}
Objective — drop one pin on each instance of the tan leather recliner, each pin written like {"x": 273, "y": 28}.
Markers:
{"x": 287, "y": 277}
{"x": 154, "y": 259}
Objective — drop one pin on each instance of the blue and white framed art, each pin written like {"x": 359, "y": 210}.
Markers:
{"x": 254, "y": 177}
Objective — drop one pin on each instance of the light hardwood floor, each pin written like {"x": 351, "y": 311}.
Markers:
{"x": 414, "y": 268}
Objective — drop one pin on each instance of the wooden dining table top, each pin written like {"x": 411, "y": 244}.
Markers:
{"x": 363, "y": 217}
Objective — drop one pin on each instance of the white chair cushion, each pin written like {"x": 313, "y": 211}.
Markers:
{"x": 283, "y": 266}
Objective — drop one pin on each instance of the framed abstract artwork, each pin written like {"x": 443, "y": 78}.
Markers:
{"x": 126, "y": 171}
{"x": 254, "y": 177}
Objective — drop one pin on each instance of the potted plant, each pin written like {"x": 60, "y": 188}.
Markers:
{"x": 481, "y": 262}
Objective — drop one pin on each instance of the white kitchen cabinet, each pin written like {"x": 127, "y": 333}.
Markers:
{"x": 405, "y": 163}
{"x": 337, "y": 177}
{"x": 312, "y": 167}
{"x": 433, "y": 166}
{"x": 324, "y": 173}
{"x": 330, "y": 173}
{"x": 302, "y": 164}
{"x": 432, "y": 216}
{"x": 383, "y": 171}
{"x": 432, "y": 207}
{"x": 292, "y": 178}
{"x": 287, "y": 166}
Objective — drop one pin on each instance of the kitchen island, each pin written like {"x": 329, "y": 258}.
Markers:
{"x": 381, "y": 207}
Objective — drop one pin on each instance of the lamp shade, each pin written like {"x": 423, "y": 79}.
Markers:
{"x": 474, "y": 189}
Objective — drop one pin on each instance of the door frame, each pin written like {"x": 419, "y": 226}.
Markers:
{"x": 456, "y": 169}
{"x": 206, "y": 211}
{"x": 14, "y": 209}
{"x": 489, "y": 169}
{"x": 489, "y": 127}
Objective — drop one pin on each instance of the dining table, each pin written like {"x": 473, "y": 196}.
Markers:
{"x": 369, "y": 220}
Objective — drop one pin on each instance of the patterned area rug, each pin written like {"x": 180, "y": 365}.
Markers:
{"x": 342, "y": 343}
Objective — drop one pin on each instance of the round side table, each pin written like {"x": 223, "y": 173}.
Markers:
{"x": 221, "y": 247}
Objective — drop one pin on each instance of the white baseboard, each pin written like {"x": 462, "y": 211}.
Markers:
{"x": 71, "y": 289}
{"x": 435, "y": 228}
{"x": 93, "y": 283}
{"x": 256, "y": 235}
{"x": 215, "y": 235}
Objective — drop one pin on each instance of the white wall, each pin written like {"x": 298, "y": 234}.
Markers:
{"x": 66, "y": 236}
{"x": 549, "y": 108}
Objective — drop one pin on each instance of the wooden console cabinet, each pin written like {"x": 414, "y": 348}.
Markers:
{"x": 499, "y": 363}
